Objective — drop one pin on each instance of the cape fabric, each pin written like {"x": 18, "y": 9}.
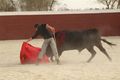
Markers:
{"x": 29, "y": 54}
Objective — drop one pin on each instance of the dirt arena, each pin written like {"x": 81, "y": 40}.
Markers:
{"x": 73, "y": 64}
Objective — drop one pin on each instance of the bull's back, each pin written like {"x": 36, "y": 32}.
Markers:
{"x": 74, "y": 39}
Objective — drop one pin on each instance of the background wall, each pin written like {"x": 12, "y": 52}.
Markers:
{"x": 21, "y": 26}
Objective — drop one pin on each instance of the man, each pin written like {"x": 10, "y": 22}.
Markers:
{"x": 47, "y": 32}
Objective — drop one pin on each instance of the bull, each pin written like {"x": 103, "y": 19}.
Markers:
{"x": 79, "y": 40}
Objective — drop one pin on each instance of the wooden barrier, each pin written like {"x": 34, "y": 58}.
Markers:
{"x": 19, "y": 25}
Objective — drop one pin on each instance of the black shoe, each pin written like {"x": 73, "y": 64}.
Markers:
{"x": 38, "y": 62}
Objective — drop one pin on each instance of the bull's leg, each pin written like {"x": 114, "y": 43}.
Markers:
{"x": 103, "y": 51}
{"x": 93, "y": 52}
{"x": 60, "y": 52}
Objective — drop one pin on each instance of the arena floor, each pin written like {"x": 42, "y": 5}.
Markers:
{"x": 73, "y": 64}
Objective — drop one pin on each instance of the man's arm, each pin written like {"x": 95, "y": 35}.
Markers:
{"x": 35, "y": 35}
{"x": 50, "y": 28}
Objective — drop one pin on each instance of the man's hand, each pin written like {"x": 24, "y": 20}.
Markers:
{"x": 29, "y": 39}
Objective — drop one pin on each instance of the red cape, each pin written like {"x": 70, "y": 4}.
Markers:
{"x": 29, "y": 54}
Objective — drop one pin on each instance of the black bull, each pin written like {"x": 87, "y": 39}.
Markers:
{"x": 79, "y": 40}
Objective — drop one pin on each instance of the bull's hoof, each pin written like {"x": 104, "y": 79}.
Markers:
{"x": 88, "y": 61}
{"x": 58, "y": 62}
{"x": 110, "y": 60}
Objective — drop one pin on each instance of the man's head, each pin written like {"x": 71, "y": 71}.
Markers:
{"x": 36, "y": 25}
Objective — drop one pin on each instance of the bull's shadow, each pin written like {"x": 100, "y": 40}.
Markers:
{"x": 79, "y": 40}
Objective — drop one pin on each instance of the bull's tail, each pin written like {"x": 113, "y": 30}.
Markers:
{"x": 109, "y": 43}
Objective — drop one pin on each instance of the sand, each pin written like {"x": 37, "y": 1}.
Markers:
{"x": 73, "y": 64}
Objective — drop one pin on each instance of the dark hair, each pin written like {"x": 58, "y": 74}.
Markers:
{"x": 36, "y": 25}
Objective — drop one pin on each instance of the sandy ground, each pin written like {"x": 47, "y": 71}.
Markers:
{"x": 73, "y": 64}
